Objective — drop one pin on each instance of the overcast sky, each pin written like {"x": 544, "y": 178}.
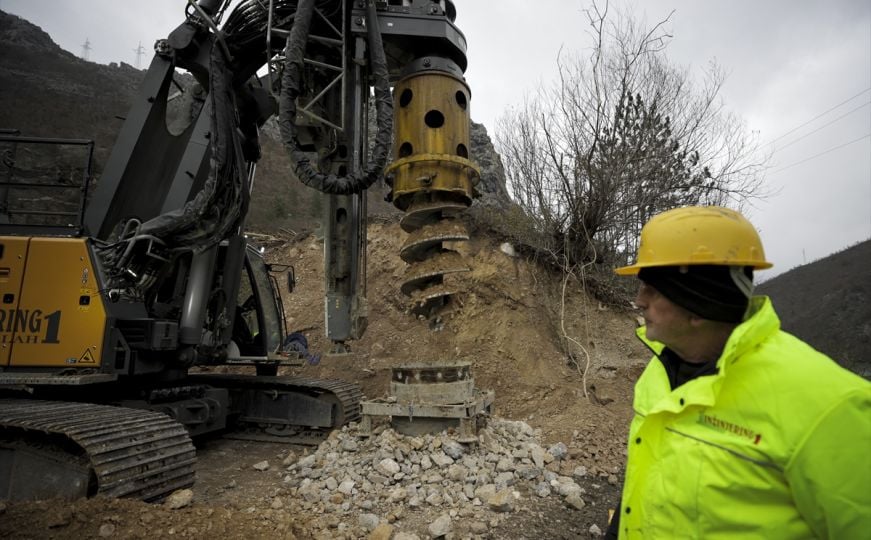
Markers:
{"x": 789, "y": 61}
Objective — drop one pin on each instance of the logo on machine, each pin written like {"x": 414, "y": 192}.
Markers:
{"x": 29, "y": 326}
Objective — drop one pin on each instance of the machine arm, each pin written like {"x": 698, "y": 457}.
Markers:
{"x": 166, "y": 195}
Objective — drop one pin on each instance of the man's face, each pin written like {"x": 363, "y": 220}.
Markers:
{"x": 666, "y": 322}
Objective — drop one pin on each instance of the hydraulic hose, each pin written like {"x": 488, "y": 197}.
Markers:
{"x": 290, "y": 90}
{"x": 217, "y": 208}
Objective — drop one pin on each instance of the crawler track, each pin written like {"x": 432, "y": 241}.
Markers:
{"x": 346, "y": 396}
{"x": 132, "y": 453}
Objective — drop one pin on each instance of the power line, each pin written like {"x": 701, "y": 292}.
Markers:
{"x": 793, "y": 130}
{"x": 822, "y": 126}
{"x": 822, "y": 153}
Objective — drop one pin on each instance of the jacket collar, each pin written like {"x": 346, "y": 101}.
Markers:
{"x": 761, "y": 321}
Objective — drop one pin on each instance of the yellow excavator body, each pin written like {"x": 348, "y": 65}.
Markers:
{"x": 51, "y": 310}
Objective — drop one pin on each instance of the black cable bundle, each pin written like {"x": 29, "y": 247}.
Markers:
{"x": 291, "y": 83}
{"x": 217, "y": 209}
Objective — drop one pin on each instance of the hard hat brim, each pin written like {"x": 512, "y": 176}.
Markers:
{"x": 633, "y": 270}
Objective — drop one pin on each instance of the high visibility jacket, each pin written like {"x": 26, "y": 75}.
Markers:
{"x": 776, "y": 445}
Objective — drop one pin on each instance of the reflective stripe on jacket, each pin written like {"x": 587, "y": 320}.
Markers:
{"x": 776, "y": 445}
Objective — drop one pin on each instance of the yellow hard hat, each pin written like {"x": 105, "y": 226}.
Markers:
{"x": 698, "y": 235}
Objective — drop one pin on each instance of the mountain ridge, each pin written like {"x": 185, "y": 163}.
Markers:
{"x": 827, "y": 303}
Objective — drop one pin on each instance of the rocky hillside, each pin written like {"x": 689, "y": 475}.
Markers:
{"x": 48, "y": 92}
{"x": 828, "y": 304}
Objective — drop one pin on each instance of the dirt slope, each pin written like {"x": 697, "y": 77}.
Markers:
{"x": 506, "y": 323}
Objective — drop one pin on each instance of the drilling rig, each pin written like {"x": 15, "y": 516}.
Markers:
{"x": 109, "y": 310}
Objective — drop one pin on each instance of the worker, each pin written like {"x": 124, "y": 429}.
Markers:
{"x": 740, "y": 430}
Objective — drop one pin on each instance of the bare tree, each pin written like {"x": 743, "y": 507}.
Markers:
{"x": 622, "y": 135}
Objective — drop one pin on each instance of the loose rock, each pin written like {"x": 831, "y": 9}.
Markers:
{"x": 289, "y": 459}
{"x": 179, "y": 499}
{"x": 502, "y": 501}
{"x": 575, "y": 501}
{"x": 440, "y": 527}
{"x": 369, "y": 521}
{"x": 387, "y": 467}
{"x": 382, "y": 532}
{"x": 453, "y": 449}
{"x": 478, "y": 527}
{"x": 388, "y": 473}
{"x": 558, "y": 451}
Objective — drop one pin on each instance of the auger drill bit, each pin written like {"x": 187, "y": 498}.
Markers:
{"x": 429, "y": 261}
{"x": 431, "y": 176}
